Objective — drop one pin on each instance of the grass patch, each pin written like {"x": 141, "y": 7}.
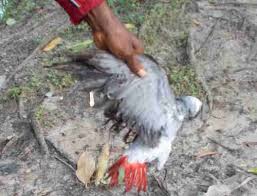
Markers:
{"x": 75, "y": 33}
{"x": 58, "y": 80}
{"x": 129, "y": 11}
{"x": 38, "y": 84}
{"x": 165, "y": 34}
{"x": 19, "y": 9}
{"x": 14, "y": 92}
{"x": 185, "y": 82}
{"x": 177, "y": 4}
{"x": 43, "y": 117}
{"x": 132, "y": 11}
{"x": 40, "y": 113}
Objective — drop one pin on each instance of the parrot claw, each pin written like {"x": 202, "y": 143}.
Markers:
{"x": 135, "y": 174}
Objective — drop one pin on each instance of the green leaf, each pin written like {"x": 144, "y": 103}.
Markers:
{"x": 253, "y": 170}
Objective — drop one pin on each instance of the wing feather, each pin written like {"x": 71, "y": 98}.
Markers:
{"x": 144, "y": 103}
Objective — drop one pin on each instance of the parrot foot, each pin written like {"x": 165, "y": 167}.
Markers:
{"x": 135, "y": 174}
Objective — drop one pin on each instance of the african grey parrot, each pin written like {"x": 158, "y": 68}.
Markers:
{"x": 146, "y": 104}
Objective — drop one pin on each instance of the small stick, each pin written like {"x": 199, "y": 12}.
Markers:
{"x": 248, "y": 179}
{"x": 161, "y": 185}
{"x": 207, "y": 37}
{"x": 249, "y": 143}
{"x": 65, "y": 163}
{"x": 206, "y": 153}
{"x": 221, "y": 145}
{"x": 236, "y": 4}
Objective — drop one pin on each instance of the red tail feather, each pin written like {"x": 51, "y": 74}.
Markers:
{"x": 135, "y": 174}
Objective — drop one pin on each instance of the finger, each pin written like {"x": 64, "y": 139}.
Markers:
{"x": 99, "y": 39}
{"x": 135, "y": 66}
{"x": 137, "y": 46}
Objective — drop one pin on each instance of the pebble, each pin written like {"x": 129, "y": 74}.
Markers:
{"x": 2, "y": 81}
{"x": 49, "y": 94}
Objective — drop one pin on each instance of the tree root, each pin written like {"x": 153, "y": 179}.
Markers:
{"x": 39, "y": 135}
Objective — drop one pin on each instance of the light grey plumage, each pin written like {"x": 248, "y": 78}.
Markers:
{"x": 146, "y": 104}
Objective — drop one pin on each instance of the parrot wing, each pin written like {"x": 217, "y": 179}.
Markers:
{"x": 143, "y": 103}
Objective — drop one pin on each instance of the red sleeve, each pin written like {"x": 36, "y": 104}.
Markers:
{"x": 78, "y": 9}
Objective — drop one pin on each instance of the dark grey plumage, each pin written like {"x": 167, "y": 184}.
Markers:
{"x": 146, "y": 104}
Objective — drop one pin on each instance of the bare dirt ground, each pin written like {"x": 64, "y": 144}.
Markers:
{"x": 211, "y": 155}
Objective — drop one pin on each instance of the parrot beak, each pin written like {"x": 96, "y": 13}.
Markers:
{"x": 135, "y": 174}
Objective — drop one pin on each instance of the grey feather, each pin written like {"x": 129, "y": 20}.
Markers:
{"x": 148, "y": 104}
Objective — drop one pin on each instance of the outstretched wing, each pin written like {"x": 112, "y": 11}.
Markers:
{"x": 143, "y": 103}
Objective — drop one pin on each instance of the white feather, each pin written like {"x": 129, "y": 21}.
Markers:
{"x": 139, "y": 153}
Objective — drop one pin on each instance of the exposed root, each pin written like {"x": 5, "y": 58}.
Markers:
{"x": 39, "y": 135}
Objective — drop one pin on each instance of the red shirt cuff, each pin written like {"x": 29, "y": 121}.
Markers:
{"x": 78, "y": 9}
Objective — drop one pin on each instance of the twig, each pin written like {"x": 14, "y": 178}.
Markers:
{"x": 245, "y": 69}
{"x": 207, "y": 153}
{"x": 65, "y": 163}
{"x": 207, "y": 37}
{"x": 244, "y": 183}
{"x": 249, "y": 143}
{"x": 221, "y": 145}
{"x": 161, "y": 185}
{"x": 9, "y": 144}
{"x": 214, "y": 178}
{"x": 236, "y": 4}
{"x": 61, "y": 153}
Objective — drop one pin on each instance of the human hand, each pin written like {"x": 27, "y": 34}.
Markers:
{"x": 110, "y": 34}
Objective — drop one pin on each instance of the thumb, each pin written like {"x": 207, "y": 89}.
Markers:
{"x": 135, "y": 66}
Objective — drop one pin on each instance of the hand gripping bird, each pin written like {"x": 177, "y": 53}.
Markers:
{"x": 146, "y": 105}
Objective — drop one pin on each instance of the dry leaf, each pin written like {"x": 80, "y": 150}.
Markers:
{"x": 196, "y": 22}
{"x": 85, "y": 168}
{"x": 102, "y": 164}
{"x": 52, "y": 44}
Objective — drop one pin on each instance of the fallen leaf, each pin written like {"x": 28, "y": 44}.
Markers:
{"x": 102, "y": 164}
{"x": 253, "y": 170}
{"x": 206, "y": 153}
{"x": 196, "y": 22}
{"x": 85, "y": 168}
{"x": 52, "y": 44}
{"x": 130, "y": 26}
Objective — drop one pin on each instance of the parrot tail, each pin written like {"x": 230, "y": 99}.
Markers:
{"x": 135, "y": 174}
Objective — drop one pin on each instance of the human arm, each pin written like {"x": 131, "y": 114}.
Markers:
{"x": 109, "y": 33}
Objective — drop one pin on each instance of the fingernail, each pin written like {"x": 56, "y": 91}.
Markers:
{"x": 141, "y": 73}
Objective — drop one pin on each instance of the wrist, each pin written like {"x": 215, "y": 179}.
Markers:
{"x": 102, "y": 18}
